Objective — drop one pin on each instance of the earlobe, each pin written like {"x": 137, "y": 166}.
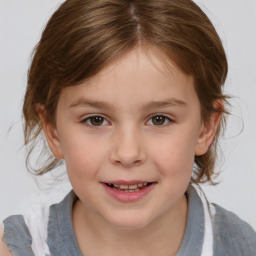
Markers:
{"x": 207, "y": 133}
{"x": 51, "y": 134}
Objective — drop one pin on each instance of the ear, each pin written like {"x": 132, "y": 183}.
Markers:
{"x": 208, "y": 131}
{"x": 50, "y": 132}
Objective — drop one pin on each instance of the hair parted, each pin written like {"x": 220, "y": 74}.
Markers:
{"x": 83, "y": 36}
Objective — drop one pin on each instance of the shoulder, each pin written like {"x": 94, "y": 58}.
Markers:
{"x": 4, "y": 251}
{"x": 27, "y": 234}
{"x": 232, "y": 235}
{"x": 229, "y": 224}
{"x": 16, "y": 235}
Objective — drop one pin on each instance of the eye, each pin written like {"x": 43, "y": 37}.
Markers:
{"x": 95, "y": 121}
{"x": 160, "y": 120}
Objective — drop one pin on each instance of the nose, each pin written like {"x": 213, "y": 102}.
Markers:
{"x": 128, "y": 149}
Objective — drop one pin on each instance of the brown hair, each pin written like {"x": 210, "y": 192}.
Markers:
{"x": 83, "y": 36}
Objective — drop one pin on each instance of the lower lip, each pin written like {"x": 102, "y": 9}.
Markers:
{"x": 128, "y": 196}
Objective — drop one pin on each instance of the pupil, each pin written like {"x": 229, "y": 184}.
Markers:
{"x": 96, "y": 120}
{"x": 158, "y": 120}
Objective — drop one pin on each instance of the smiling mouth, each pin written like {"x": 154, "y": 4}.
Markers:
{"x": 129, "y": 188}
{"x": 128, "y": 191}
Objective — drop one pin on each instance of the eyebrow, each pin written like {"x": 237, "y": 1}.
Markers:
{"x": 172, "y": 102}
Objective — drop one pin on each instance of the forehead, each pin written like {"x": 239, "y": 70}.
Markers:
{"x": 139, "y": 62}
{"x": 139, "y": 76}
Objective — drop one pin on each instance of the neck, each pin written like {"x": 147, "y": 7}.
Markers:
{"x": 163, "y": 236}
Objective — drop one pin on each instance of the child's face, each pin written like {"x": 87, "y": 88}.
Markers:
{"x": 124, "y": 144}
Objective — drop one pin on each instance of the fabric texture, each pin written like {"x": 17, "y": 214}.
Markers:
{"x": 232, "y": 236}
{"x": 37, "y": 224}
{"x": 17, "y": 236}
{"x": 210, "y": 231}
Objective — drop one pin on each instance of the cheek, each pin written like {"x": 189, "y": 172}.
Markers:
{"x": 174, "y": 156}
{"x": 82, "y": 158}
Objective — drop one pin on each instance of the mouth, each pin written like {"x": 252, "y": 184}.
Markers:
{"x": 129, "y": 188}
{"x": 128, "y": 191}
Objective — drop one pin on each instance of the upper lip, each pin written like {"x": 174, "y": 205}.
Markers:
{"x": 127, "y": 182}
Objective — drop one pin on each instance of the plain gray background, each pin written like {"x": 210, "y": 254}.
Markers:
{"x": 21, "y": 23}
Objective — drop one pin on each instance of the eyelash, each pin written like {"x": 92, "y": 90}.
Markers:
{"x": 84, "y": 121}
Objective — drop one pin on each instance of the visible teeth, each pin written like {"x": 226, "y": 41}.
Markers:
{"x": 123, "y": 186}
{"x": 133, "y": 186}
{"x": 128, "y": 188}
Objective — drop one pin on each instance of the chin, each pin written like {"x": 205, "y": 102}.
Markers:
{"x": 129, "y": 222}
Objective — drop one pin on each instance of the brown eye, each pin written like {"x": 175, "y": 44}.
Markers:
{"x": 95, "y": 121}
{"x": 158, "y": 120}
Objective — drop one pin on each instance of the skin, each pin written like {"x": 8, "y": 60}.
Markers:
{"x": 128, "y": 144}
{"x": 4, "y": 251}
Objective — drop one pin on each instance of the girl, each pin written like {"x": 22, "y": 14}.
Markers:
{"x": 129, "y": 95}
